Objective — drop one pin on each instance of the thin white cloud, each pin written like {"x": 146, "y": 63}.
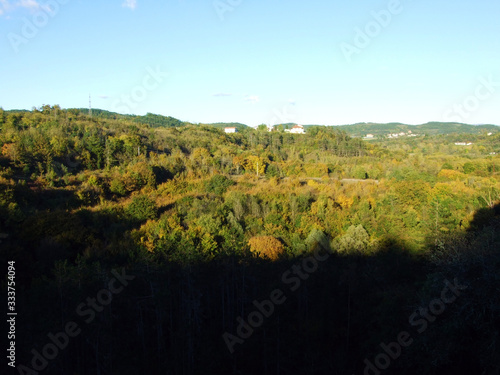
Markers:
{"x": 131, "y": 4}
{"x": 252, "y": 98}
{"x": 29, "y": 4}
{"x": 9, "y": 6}
{"x": 4, "y": 6}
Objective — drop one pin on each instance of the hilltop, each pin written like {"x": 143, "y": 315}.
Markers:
{"x": 378, "y": 130}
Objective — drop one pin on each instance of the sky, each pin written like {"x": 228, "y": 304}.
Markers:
{"x": 256, "y": 62}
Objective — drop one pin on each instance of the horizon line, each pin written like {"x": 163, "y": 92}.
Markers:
{"x": 268, "y": 125}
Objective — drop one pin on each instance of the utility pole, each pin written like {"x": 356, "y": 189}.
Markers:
{"x": 90, "y": 107}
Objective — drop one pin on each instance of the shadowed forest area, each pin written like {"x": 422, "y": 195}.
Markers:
{"x": 157, "y": 242}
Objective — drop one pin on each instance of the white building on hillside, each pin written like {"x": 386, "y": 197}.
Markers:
{"x": 297, "y": 129}
{"x": 230, "y": 130}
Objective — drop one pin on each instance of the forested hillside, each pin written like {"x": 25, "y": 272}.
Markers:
{"x": 357, "y": 235}
{"x": 357, "y": 130}
{"x": 430, "y": 128}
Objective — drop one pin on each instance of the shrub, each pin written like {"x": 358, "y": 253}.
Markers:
{"x": 316, "y": 170}
{"x": 117, "y": 187}
{"x": 218, "y": 184}
{"x": 449, "y": 174}
{"x": 272, "y": 170}
{"x": 138, "y": 176}
{"x": 141, "y": 208}
{"x": 469, "y": 168}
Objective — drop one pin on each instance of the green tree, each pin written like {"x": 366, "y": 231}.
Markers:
{"x": 356, "y": 239}
{"x": 469, "y": 168}
{"x": 142, "y": 208}
{"x": 218, "y": 184}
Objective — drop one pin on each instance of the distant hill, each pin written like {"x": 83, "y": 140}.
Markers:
{"x": 156, "y": 121}
{"x": 150, "y": 119}
{"x": 355, "y": 130}
{"x": 430, "y": 128}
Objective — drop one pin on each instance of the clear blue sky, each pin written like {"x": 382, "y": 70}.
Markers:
{"x": 259, "y": 61}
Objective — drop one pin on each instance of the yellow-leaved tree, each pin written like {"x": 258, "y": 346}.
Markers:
{"x": 255, "y": 164}
{"x": 266, "y": 247}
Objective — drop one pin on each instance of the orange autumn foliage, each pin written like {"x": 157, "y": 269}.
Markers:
{"x": 266, "y": 247}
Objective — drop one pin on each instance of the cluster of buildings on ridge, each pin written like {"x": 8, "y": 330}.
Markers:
{"x": 393, "y": 135}
{"x": 402, "y": 134}
{"x": 296, "y": 129}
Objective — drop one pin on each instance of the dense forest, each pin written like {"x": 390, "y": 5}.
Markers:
{"x": 352, "y": 241}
